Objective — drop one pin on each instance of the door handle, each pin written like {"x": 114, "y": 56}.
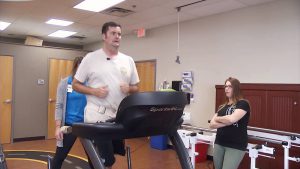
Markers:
{"x": 51, "y": 100}
{"x": 7, "y": 101}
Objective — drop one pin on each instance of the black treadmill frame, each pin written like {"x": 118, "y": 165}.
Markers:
{"x": 122, "y": 128}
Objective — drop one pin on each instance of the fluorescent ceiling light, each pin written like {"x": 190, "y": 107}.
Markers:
{"x": 3, "y": 25}
{"x": 97, "y": 5}
{"x": 59, "y": 22}
{"x": 62, "y": 34}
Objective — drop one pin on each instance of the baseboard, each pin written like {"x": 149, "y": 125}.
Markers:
{"x": 29, "y": 138}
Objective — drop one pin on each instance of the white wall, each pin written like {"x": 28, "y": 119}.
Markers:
{"x": 259, "y": 44}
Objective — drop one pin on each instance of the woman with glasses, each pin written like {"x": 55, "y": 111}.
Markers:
{"x": 231, "y": 121}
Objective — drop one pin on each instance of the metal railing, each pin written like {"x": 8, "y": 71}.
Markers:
{"x": 269, "y": 131}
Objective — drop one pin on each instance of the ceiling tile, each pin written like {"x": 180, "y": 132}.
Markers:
{"x": 10, "y": 11}
{"x": 22, "y": 25}
{"x": 97, "y": 19}
{"x": 177, "y": 3}
{"x": 162, "y": 21}
{"x": 44, "y": 30}
{"x": 214, "y": 8}
{"x": 146, "y": 15}
{"x": 47, "y": 8}
{"x": 141, "y": 5}
{"x": 30, "y": 17}
{"x": 74, "y": 15}
{"x": 254, "y": 2}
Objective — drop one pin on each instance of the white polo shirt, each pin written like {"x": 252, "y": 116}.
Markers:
{"x": 97, "y": 71}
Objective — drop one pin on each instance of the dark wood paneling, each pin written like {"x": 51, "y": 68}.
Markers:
{"x": 296, "y": 115}
{"x": 257, "y": 100}
{"x": 281, "y": 109}
{"x": 220, "y": 98}
{"x": 266, "y": 86}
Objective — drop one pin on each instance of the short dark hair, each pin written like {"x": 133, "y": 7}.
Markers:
{"x": 106, "y": 26}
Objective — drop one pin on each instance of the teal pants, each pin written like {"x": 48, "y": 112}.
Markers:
{"x": 227, "y": 158}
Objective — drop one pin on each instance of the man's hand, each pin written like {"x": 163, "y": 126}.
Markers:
{"x": 101, "y": 92}
{"x": 124, "y": 88}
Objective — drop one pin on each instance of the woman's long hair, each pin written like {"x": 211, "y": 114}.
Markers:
{"x": 236, "y": 91}
{"x": 76, "y": 64}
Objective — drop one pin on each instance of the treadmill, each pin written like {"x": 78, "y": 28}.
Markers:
{"x": 139, "y": 115}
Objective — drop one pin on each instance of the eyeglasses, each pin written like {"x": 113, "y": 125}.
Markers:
{"x": 227, "y": 86}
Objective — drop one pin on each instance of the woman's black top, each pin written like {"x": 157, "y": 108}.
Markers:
{"x": 235, "y": 135}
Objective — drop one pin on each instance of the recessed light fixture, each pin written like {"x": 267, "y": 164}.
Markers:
{"x": 97, "y": 5}
{"x": 62, "y": 34}
{"x": 3, "y": 25}
{"x": 59, "y": 22}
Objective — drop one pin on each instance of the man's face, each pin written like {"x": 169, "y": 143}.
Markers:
{"x": 112, "y": 36}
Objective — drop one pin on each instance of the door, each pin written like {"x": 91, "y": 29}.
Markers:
{"x": 147, "y": 75}
{"x": 58, "y": 69}
{"x": 6, "y": 77}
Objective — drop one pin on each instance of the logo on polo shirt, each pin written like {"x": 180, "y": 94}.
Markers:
{"x": 123, "y": 71}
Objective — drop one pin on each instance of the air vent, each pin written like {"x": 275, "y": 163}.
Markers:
{"x": 77, "y": 37}
{"x": 115, "y": 11}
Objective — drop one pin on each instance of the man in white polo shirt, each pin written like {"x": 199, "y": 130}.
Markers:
{"x": 109, "y": 76}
